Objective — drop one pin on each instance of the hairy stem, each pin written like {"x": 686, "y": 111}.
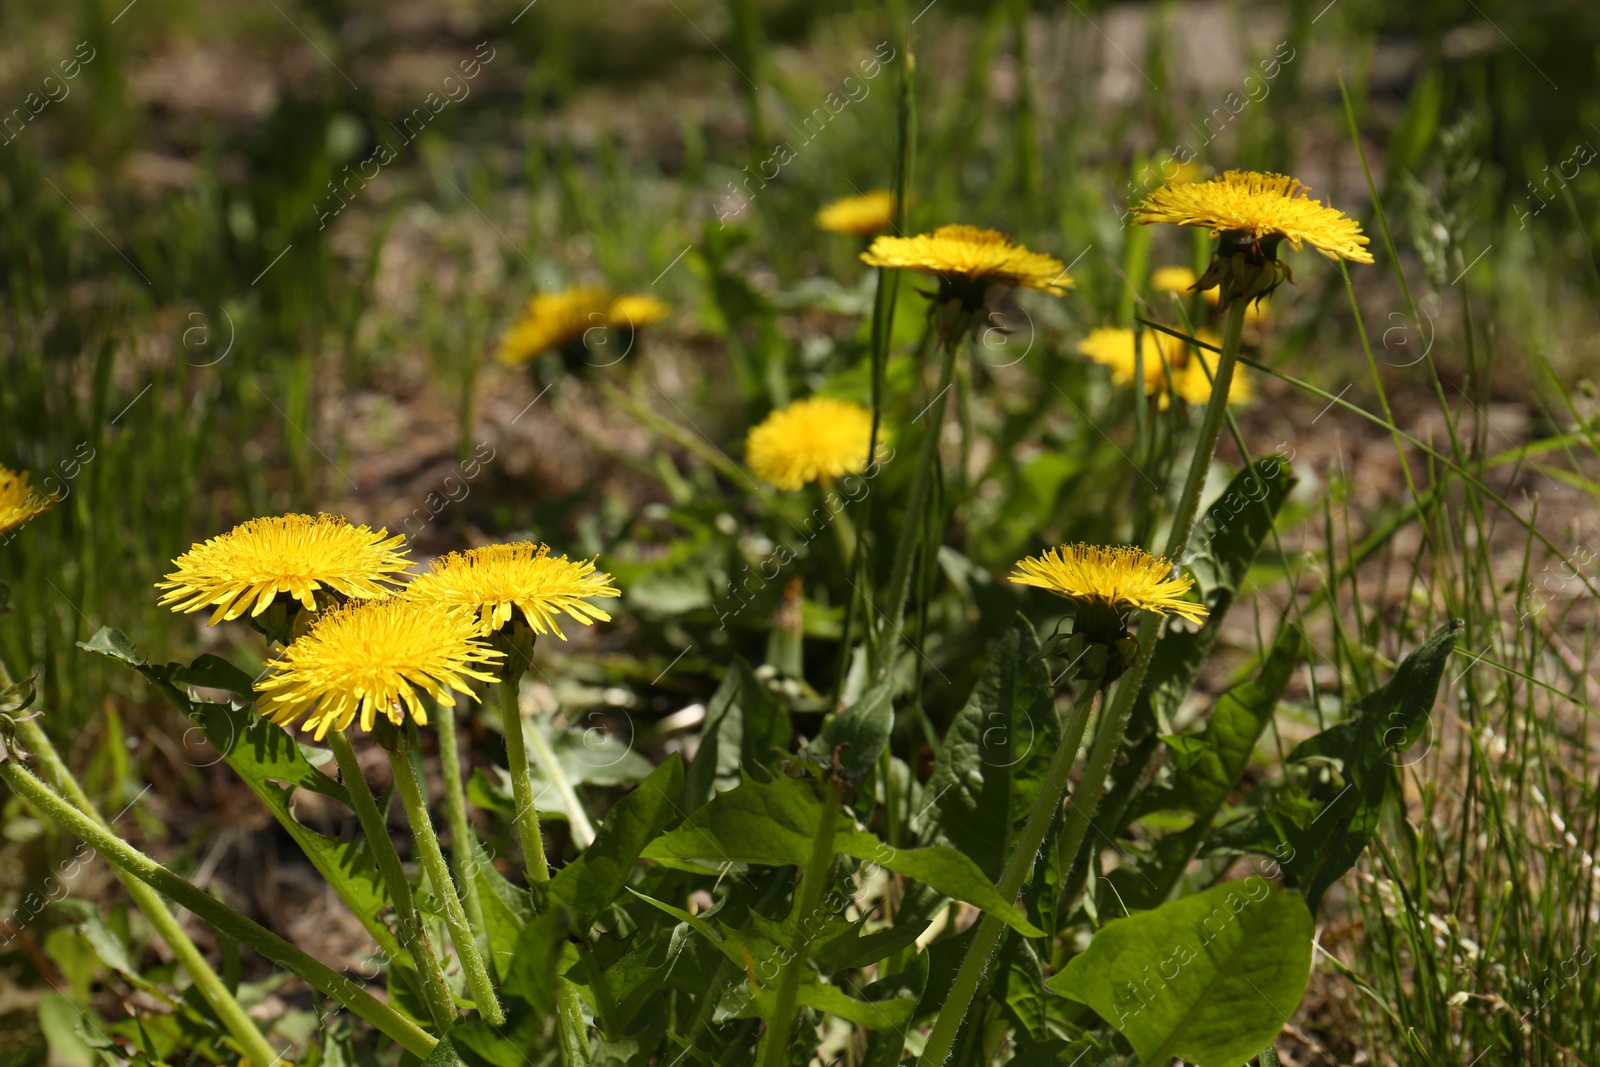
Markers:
{"x": 1018, "y": 865}
{"x": 413, "y": 935}
{"x": 893, "y": 607}
{"x": 1115, "y": 722}
{"x": 245, "y": 1033}
{"x": 527, "y": 818}
{"x": 463, "y": 843}
{"x": 455, "y": 917}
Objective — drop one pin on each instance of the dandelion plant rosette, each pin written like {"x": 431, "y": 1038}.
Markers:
{"x": 818, "y": 439}
{"x": 372, "y": 660}
{"x": 1251, "y": 214}
{"x": 299, "y": 556}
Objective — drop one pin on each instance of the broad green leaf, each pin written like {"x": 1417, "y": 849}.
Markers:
{"x": 862, "y": 729}
{"x": 1210, "y": 977}
{"x": 1211, "y": 765}
{"x": 264, "y": 755}
{"x": 536, "y": 960}
{"x": 635, "y": 978}
{"x": 1319, "y": 827}
{"x": 588, "y": 883}
{"x": 744, "y": 729}
{"x": 995, "y": 753}
{"x": 763, "y": 958}
{"x": 851, "y": 950}
{"x": 1019, "y": 985}
{"x": 516, "y": 1044}
{"x": 774, "y": 823}
{"x": 1085, "y": 1051}
{"x": 506, "y": 910}
{"x": 214, "y": 672}
{"x": 1224, "y": 544}
{"x": 109, "y": 641}
{"x": 443, "y": 1055}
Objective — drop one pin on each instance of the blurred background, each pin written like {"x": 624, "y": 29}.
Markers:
{"x": 258, "y": 256}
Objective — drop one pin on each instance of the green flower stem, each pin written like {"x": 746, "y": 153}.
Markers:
{"x": 921, "y": 486}
{"x": 606, "y": 1006}
{"x": 224, "y": 919}
{"x": 405, "y": 780}
{"x": 1114, "y": 724}
{"x": 1017, "y": 868}
{"x": 577, "y": 821}
{"x": 463, "y": 843}
{"x": 252, "y": 1045}
{"x": 412, "y": 933}
{"x": 775, "y": 1050}
{"x": 517, "y": 642}
{"x": 573, "y": 1033}
{"x": 527, "y": 819}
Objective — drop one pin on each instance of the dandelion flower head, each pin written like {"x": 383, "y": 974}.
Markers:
{"x": 369, "y": 659}
{"x": 1121, "y": 577}
{"x": 1260, "y": 205}
{"x": 968, "y": 260}
{"x": 247, "y": 567}
{"x": 493, "y": 580}
{"x": 816, "y": 439}
{"x": 858, "y": 216}
{"x": 19, "y": 501}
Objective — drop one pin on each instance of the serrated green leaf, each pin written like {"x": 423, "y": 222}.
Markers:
{"x": 995, "y": 754}
{"x": 588, "y": 883}
{"x": 214, "y": 672}
{"x": 1319, "y": 831}
{"x": 863, "y": 729}
{"x": 109, "y": 641}
{"x": 1215, "y": 762}
{"x": 535, "y": 960}
{"x": 851, "y": 950}
{"x": 774, "y": 823}
{"x": 1224, "y": 544}
{"x": 1210, "y": 977}
{"x": 744, "y": 729}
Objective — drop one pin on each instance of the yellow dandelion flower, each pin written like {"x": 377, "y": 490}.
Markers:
{"x": 552, "y": 320}
{"x": 294, "y": 554}
{"x": 858, "y": 216}
{"x": 1262, "y": 205}
{"x": 1123, "y": 578}
{"x": 371, "y": 658}
{"x": 496, "y": 578}
{"x": 968, "y": 260}
{"x": 1252, "y": 213}
{"x": 1169, "y": 366}
{"x": 817, "y": 439}
{"x": 1172, "y": 280}
{"x": 634, "y": 310}
{"x": 1193, "y": 381}
{"x": 19, "y": 501}
{"x": 1114, "y": 347}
